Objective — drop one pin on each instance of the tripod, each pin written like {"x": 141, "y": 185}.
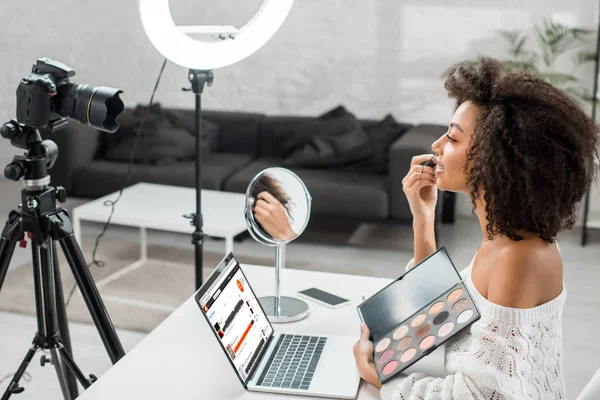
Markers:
{"x": 46, "y": 224}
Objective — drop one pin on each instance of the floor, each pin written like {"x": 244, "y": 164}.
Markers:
{"x": 383, "y": 249}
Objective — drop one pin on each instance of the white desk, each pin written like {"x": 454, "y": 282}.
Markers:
{"x": 181, "y": 359}
{"x": 161, "y": 207}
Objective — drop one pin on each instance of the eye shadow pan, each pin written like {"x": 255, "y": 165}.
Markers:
{"x": 408, "y": 355}
{"x": 386, "y": 356}
{"x": 464, "y": 316}
{"x": 460, "y": 305}
{"x": 401, "y": 332}
{"x": 390, "y": 367}
{"x": 381, "y": 346}
{"x": 441, "y": 317}
{"x": 404, "y": 343}
{"x": 419, "y": 319}
{"x": 446, "y": 329}
{"x": 422, "y": 331}
{"x": 452, "y": 297}
{"x": 436, "y": 308}
{"x": 427, "y": 342}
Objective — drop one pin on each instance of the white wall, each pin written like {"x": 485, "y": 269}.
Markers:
{"x": 374, "y": 57}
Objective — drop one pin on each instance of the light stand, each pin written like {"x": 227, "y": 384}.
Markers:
{"x": 198, "y": 78}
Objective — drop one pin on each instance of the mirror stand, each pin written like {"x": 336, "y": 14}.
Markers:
{"x": 279, "y": 308}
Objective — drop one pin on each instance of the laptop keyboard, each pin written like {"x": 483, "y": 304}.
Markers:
{"x": 293, "y": 362}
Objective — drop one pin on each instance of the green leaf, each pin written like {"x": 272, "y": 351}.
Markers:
{"x": 519, "y": 48}
{"x": 584, "y": 56}
{"x": 581, "y": 32}
{"x": 516, "y": 41}
{"x": 544, "y": 46}
{"x": 510, "y": 36}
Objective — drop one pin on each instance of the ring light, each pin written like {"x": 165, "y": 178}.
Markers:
{"x": 234, "y": 45}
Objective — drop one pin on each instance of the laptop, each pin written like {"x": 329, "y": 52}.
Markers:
{"x": 266, "y": 361}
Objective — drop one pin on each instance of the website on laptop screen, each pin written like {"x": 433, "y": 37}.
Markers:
{"x": 235, "y": 314}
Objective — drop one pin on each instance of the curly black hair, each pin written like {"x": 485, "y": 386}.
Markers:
{"x": 532, "y": 152}
{"x": 267, "y": 183}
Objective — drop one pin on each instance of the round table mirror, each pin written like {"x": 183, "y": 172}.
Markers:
{"x": 277, "y": 212}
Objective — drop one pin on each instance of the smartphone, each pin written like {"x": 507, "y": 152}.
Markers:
{"x": 323, "y": 298}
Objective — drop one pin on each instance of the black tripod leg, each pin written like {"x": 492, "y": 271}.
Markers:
{"x": 60, "y": 372}
{"x": 7, "y": 249}
{"x": 66, "y": 358}
{"x": 92, "y": 298}
{"x": 13, "y": 386}
{"x": 63, "y": 232}
{"x": 63, "y": 324}
{"x": 8, "y": 241}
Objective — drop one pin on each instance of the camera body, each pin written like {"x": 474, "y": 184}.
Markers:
{"x": 36, "y": 94}
{"x": 46, "y": 97}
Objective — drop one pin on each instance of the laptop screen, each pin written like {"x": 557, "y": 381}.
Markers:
{"x": 235, "y": 316}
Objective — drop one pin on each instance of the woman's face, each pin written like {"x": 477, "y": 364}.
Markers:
{"x": 452, "y": 147}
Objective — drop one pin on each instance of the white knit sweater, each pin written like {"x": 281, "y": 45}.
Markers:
{"x": 508, "y": 353}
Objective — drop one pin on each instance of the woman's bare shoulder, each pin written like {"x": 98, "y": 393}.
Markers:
{"x": 525, "y": 275}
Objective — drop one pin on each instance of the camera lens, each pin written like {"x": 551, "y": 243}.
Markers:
{"x": 97, "y": 106}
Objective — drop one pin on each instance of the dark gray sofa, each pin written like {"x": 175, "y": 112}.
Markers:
{"x": 248, "y": 143}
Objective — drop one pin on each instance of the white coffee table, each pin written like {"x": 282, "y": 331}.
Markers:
{"x": 161, "y": 207}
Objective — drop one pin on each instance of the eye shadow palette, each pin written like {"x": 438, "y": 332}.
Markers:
{"x": 416, "y": 313}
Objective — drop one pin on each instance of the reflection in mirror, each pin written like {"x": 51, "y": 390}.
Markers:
{"x": 280, "y": 205}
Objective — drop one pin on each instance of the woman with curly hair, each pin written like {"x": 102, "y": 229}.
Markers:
{"x": 524, "y": 153}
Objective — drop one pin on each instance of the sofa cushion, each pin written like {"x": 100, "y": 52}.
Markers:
{"x": 319, "y": 152}
{"x": 328, "y": 148}
{"x": 165, "y": 137}
{"x": 335, "y": 112}
{"x": 238, "y": 131}
{"x": 381, "y": 135}
{"x": 334, "y": 192}
{"x": 102, "y": 177}
{"x": 281, "y": 135}
{"x": 210, "y": 131}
